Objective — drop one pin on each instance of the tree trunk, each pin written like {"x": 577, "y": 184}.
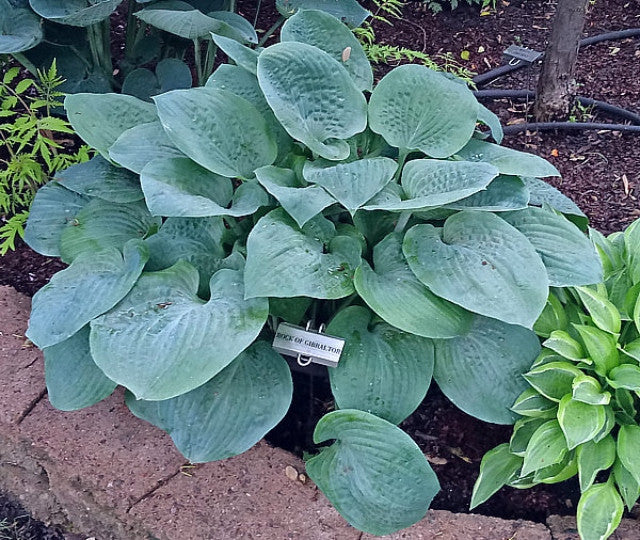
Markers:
{"x": 556, "y": 85}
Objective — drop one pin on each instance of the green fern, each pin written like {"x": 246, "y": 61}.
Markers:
{"x": 31, "y": 150}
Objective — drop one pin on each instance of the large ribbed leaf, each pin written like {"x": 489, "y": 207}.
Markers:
{"x": 234, "y": 26}
{"x": 352, "y": 184}
{"x": 179, "y": 187}
{"x": 481, "y": 263}
{"x": 374, "y": 474}
{"x": 102, "y": 224}
{"x": 245, "y": 57}
{"x": 302, "y": 203}
{"x": 542, "y": 193}
{"x": 313, "y": 96}
{"x": 504, "y": 193}
{"x": 430, "y": 183}
{"x": 243, "y": 83}
{"x": 218, "y": 130}
{"x": 73, "y": 379}
{"x": 53, "y": 208}
{"x": 324, "y": 31}
{"x": 75, "y": 12}
{"x": 141, "y": 144}
{"x": 20, "y": 29}
{"x": 382, "y": 370}
{"x": 162, "y": 340}
{"x": 481, "y": 372}
{"x": 179, "y": 18}
{"x": 101, "y": 118}
{"x": 284, "y": 260}
{"x": 507, "y": 160}
{"x": 99, "y": 178}
{"x": 348, "y": 11}
{"x": 228, "y": 414}
{"x": 415, "y": 108}
{"x": 197, "y": 241}
{"x": 394, "y": 293}
{"x": 93, "y": 284}
{"x": 568, "y": 254}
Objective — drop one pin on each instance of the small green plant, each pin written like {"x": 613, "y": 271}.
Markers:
{"x": 486, "y": 6}
{"x": 580, "y": 112}
{"x": 292, "y": 189}
{"x": 581, "y": 413}
{"x": 30, "y": 154}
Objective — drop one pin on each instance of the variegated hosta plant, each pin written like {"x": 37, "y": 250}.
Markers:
{"x": 580, "y": 414}
{"x": 289, "y": 188}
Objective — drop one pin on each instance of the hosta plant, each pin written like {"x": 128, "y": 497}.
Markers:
{"x": 579, "y": 415}
{"x": 290, "y": 188}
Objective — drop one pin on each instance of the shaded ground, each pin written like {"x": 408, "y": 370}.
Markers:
{"x": 601, "y": 172}
{"x": 16, "y": 524}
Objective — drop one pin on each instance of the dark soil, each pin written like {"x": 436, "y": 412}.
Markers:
{"x": 600, "y": 171}
{"x": 16, "y": 524}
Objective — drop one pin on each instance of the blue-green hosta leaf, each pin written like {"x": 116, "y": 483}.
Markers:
{"x": 580, "y": 422}
{"x": 429, "y": 183}
{"x": 162, "y": 340}
{"x": 228, "y": 414}
{"x": 245, "y": 57}
{"x": 53, "y": 208}
{"x": 181, "y": 188}
{"x": 243, "y": 83}
{"x": 600, "y": 511}
{"x": 99, "y": 178}
{"x": 395, "y": 294}
{"x": 498, "y": 467}
{"x": 302, "y": 203}
{"x": 93, "y": 284}
{"x": 324, "y": 31}
{"x": 234, "y": 26}
{"x": 568, "y": 255}
{"x": 632, "y": 251}
{"x": 542, "y": 193}
{"x": 507, "y": 160}
{"x": 284, "y": 260}
{"x": 594, "y": 457}
{"x": 348, "y": 11}
{"x": 374, "y": 474}
{"x": 481, "y": 263}
{"x": 102, "y": 224}
{"x": 295, "y": 77}
{"x": 101, "y": 118}
{"x": 142, "y": 144}
{"x": 352, "y": 184}
{"x": 179, "y": 18}
{"x": 382, "y": 370}
{"x": 73, "y": 379}
{"x": 20, "y": 29}
{"x": 491, "y": 120}
{"x": 171, "y": 74}
{"x": 546, "y": 447}
{"x": 218, "y": 130}
{"x": 504, "y": 193}
{"x": 197, "y": 241}
{"x": 75, "y": 12}
{"x": 481, "y": 371}
{"x": 415, "y": 108}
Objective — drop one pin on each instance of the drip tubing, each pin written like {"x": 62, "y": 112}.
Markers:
{"x": 568, "y": 126}
{"x": 584, "y": 101}
{"x": 485, "y": 78}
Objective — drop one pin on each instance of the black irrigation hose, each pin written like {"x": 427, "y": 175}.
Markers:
{"x": 485, "y": 78}
{"x": 568, "y": 126}
{"x": 584, "y": 101}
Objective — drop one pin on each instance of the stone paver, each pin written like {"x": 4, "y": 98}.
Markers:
{"x": 565, "y": 528}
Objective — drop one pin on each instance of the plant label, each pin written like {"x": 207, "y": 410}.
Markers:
{"x": 318, "y": 348}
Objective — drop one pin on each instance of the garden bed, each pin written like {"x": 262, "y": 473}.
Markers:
{"x": 600, "y": 171}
